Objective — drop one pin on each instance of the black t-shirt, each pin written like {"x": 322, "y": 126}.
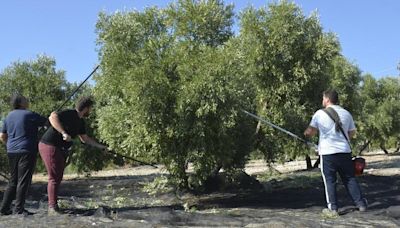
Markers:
{"x": 71, "y": 123}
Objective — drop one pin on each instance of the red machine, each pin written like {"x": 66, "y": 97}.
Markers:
{"x": 359, "y": 165}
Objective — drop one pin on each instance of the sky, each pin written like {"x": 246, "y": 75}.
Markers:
{"x": 367, "y": 30}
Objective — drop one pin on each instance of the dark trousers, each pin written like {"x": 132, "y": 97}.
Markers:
{"x": 340, "y": 163}
{"x": 21, "y": 169}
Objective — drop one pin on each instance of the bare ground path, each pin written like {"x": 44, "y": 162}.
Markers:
{"x": 293, "y": 198}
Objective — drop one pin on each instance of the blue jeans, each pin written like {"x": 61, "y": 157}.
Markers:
{"x": 340, "y": 163}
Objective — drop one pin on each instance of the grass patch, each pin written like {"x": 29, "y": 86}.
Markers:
{"x": 159, "y": 185}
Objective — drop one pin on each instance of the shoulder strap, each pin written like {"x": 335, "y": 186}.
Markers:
{"x": 336, "y": 119}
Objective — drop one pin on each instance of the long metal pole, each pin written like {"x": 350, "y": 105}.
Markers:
{"x": 310, "y": 144}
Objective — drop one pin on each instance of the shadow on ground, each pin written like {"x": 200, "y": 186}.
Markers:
{"x": 119, "y": 202}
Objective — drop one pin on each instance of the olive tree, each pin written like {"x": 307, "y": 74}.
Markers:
{"x": 177, "y": 88}
{"x": 288, "y": 56}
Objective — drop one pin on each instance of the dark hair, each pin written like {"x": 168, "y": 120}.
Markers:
{"x": 332, "y": 95}
{"x": 84, "y": 102}
{"x": 17, "y": 101}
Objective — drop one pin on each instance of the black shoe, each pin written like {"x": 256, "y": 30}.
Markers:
{"x": 5, "y": 212}
{"x": 23, "y": 212}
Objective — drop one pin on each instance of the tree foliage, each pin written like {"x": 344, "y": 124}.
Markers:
{"x": 288, "y": 56}
{"x": 380, "y": 117}
{"x": 46, "y": 88}
{"x": 346, "y": 78}
{"x": 182, "y": 88}
{"x": 38, "y": 80}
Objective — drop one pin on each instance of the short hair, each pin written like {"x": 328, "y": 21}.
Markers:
{"x": 332, "y": 95}
{"x": 17, "y": 101}
{"x": 84, "y": 102}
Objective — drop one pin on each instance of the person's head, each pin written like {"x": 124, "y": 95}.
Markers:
{"x": 19, "y": 102}
{"x": 330, "y": 97}
{"x": 84, "y": 106}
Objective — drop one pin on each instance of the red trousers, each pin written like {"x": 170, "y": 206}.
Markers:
{"x": 54, "y": 160}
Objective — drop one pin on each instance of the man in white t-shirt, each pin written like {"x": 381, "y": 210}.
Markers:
{"x": 335, "y": 151}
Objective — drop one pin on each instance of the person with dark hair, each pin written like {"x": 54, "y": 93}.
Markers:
{"x": 20, "y": 133}
{"x": 335, "y": 126}
{"x": 56, "y": 142}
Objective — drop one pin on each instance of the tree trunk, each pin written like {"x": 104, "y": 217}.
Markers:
{"x": 384, "y": 149}
{"x": 216, "y": 170}
{"x": 264, "y": 104}
{"x": 366, "y": 144}
{"x": 316, "y": 164}
{"x": 308, "y": 162}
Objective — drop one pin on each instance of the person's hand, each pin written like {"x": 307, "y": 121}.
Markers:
{"x": 66, "y": 137}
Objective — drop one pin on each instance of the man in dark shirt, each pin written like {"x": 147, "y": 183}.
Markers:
{"x": 56, "y": 142}
{"x": 20, "y": 133}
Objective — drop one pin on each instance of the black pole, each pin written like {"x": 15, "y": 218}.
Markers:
{"x": 73, "y": 93}
{"x": 130, "y": 158}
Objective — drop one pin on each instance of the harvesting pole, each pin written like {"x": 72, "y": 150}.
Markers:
{"x": 76, "y": 90}
{"x": 309, "y": 144}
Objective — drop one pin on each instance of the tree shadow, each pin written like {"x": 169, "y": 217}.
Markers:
{"x": 393, "y": 163}
{"x": 380, "y": 191}
{"x": 88, "y": 187}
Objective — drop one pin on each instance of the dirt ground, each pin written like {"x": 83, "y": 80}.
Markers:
{"x": 291, "y": 197}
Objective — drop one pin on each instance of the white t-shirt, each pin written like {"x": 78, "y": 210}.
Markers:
{"x": 330, "y": 140}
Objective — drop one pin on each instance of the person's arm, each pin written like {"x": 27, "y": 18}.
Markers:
{"x": 41, "y": 120}
{"x": 56, "y": 124}
{"x": 310, "y": 132}
{"x": 352, "y": 128}
{"x": 3, "y": 133}
{"x": 3, "y": 137}
{"x": 352, "y": 133}
{"x": 89, "y": 141}
{"x": 312, "y": 128}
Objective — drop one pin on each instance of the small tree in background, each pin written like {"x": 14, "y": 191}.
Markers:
{"x": 380, "y": 118}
